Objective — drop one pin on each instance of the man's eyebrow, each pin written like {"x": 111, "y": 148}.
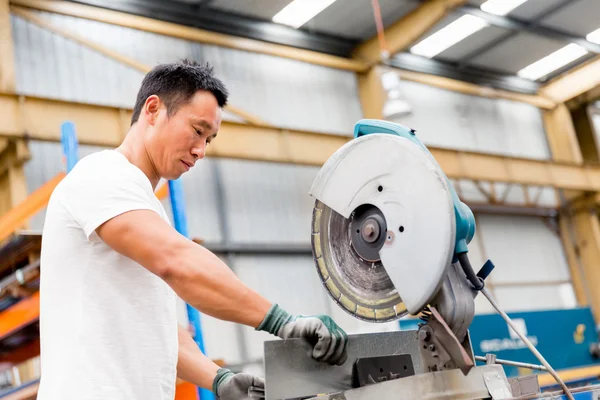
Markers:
{"x": 203, "y": 123}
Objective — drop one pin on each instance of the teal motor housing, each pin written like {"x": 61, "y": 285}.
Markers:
{"x": 465, "y": 221}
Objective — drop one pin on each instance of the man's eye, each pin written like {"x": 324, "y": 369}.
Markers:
{"x": 198, "y": 131}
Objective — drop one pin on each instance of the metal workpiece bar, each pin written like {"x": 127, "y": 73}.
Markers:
{"x": 514, "y": 363}
{"x": 442, "y": 385}
{"x": 291, "y": 373}
{"x": 559, "y": 394}
{"x": 528, "y": 343}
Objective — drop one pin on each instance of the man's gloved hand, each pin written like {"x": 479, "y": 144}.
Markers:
{"x": 328, "y": 340}
{"x": 230, "y": 386}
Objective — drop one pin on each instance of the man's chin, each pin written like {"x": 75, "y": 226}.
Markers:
{"x": 172, "y": 176}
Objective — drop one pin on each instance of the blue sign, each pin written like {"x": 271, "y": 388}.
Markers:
{"x": 562, "y": 336}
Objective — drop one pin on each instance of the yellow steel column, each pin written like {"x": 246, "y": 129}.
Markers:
{"x": 7, "y": 58}
{"x": 586, "y": 133}
{"x": 372, "y": 93}
{"x": 13, "y": 187}
{"x": 561, "y": 135}
{"x": 580, "y": 229}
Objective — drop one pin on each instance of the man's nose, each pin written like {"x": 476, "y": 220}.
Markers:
{"x": 199, "y": 150}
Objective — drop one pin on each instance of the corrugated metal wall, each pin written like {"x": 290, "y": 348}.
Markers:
{"x": 454, "y": 120}
{"x": 284, "y": 92}
{"x": 260, "y": 203}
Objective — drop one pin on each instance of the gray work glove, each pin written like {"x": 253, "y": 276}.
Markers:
{"x": 230, "y": 386}
{"x": 328, "y": 340}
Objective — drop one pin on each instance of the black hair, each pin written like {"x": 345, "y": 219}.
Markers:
{"x": 176, "y": 83}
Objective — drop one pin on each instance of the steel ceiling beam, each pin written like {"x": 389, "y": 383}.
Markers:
{"x": 477, "y": 76}
{"x": 407, "y": 30}
{"x": 582, "y": 84}
{"x": 232, "y": 24}
{"x": 170, "y": 29}
{"x": 489, "y": 46}
{"x": 107, "y": 126}
{"x": 526, "y": 26}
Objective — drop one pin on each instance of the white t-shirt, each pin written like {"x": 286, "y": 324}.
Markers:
{"x": 108, "y": 326}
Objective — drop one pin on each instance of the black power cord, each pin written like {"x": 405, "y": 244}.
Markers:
{"x": 475, "y": 280}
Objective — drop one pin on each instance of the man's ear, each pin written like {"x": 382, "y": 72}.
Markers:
{"x": 151, "y": 108}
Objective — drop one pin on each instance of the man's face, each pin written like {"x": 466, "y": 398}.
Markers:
{"x": 178, "y": 141}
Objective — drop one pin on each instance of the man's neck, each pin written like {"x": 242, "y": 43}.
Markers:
{"x": 134, "y": 150}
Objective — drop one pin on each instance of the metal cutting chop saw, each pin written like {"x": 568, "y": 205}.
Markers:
{"x": 389, "y": 238}
{"x": 388, "y": 235}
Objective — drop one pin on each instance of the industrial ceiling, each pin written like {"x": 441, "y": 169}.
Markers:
{"x": 494, "y": 55}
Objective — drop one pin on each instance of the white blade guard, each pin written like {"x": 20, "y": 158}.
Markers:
{"x": 404, "y": 182}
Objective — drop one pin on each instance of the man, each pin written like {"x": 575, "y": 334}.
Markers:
{"x": 112, "y": 265}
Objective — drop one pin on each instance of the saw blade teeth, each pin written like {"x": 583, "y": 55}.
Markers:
{"x": 365, "y": 312}
{"x": 317, "y": 212}
{"x": 384, "y": 313}
{"x": 346, "y": 303}
{"x": 317, "y": 248}
{"x": 333, "y": 289}
{"x": 322, "y": 268}
{"x": 400, "y": 309}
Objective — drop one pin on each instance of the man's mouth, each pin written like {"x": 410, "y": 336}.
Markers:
{"x": 187, "y": 165}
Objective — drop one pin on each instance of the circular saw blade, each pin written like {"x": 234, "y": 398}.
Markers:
{"x": 362, "y": 288}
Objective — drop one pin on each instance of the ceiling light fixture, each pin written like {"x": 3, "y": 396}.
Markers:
{"x": 299, "y": 12}
{"x": 594, "y": 37}
{"x": 501, "y": 7}
{"x": 552, "y": 62}
{"x": 448, "y": 36}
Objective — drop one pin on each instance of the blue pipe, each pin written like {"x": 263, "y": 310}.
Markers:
{"x": 68, "y": 138}
{"x": 180, "y": 220}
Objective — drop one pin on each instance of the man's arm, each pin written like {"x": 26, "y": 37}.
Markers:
{"x": 196, "y": 368}
{"x": 192, "y": 365}
{"x": 197, "y": 276}
{"x": 207, "y": 284}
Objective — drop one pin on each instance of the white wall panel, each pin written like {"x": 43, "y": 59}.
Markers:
{"x": 291, "y": 282}
{"x": 458, "y": 121}
{"x": 530, "y": 298}
{"x": 201, "y": 203}
{"x": 268, "y": 203}
{"x": 50, "y": 66}
{"x": 221, "y": 339}
{"x": 524, "y": 249}
{"x": 522, "y": 132}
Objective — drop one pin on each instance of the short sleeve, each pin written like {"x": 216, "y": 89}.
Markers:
{"x": 98, "y": 193}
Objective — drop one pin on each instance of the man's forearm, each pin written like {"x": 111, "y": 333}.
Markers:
{"x": 201, "y": 279}
{"x": 192, "y": 365}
